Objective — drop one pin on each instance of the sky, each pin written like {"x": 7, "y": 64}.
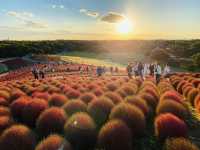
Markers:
{"x": 98, "y": 19}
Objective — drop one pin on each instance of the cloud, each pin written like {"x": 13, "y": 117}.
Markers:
{"x": 89, "y": 13}
{"x": 34, "y": 24}
{"x": 112, "y": 17}
{"x": 20, "y": 15}
{"x": 27, "y": 19}
{"x": 57, "y": 6}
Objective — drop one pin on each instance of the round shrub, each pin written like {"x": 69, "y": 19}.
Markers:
{"x": 115, "y": 135}
{"x": 151, "y": 91}
{"x": 5, "y": 122}
{"x": 168, "y": 125}
{"x": 5, "y": 94}
{"x": 73, "y": 94}
{"x": 196, "y": 82}
{"x": 3, "y": 102}
{"x": 121, "y": 93}
{"x": 42, "y": 95}
{"x": 75, "y": 106}
{"x": 54, "y": 142}
{"x": 114, "y": 97}
{"x": 87, "y": 97}
{"x": 140, "y": 103}
{"x": 18, "y": 106}
{"x": 4, "y": 111}
{"x": 197, "y": 100}
{"x": 17, "y": 94}
{"x": 51, "y": 120}
{"x": 100, "y": 110}
{"x": 98, "y": 92}
{"x": 129, "y": 89}
{"x": 192, "y": 94}
{"x": 180, "y": 85}
{"x": 80, "y": 130}
{"x": 32, "y": 111}
{"x": 57, "y": 100}
{"x": 151, "y": 101}
{"x": 131, "y": 115}
{"x": 187, "y": 90}
{"x": 112, "y": 86}
{"x": 172, "y": 95}
{"x": 169, "y": 106}
{"x": 17, "y": 137}
{"x": 179, "y": 144}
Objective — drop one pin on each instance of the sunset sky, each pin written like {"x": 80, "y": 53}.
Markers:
{"x": 99, "y": 19}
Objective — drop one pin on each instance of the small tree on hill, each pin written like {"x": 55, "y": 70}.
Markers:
{"x": 196, "y": 59}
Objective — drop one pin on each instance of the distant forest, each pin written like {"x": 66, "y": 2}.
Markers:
{"x": 178, "y": 52}
{"x": 178, "y": 48}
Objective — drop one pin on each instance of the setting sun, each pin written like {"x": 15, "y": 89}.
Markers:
{"x": 124, "y": 27}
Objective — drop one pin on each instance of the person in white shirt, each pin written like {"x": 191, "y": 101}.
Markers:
{"x": 157, "y": 72}
{"x": 166, "y": 70}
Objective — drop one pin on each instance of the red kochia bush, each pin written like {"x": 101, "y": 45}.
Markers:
{"x": 5, "y": 94}
{"x": 73, "y": 94}
{"x": 151, "y": 101}
{"x": 18, "y": 106}
{"x": 98, "y": 92}
{"x": 186, "y": 90}
{"x": 172, "y": 95}
{"x": 168, "y": 125}
{"x": 16, "y": 94}
{"x": 87, "y": 97}
{"x": 4, "y": 111}
{"x": 169, "y": 106}
{"x": 5, "y": 122}
{"x": 139, "y": 102}
{"x": 75, "y": 106}
{"x": 180, "y": 85}
{"x": 42, "y": 95}
{"x": 54, "y": 142}
{"x": 17, "y": 137}
{"x": 3, "y": 102}
{"x": 131, "y": 115}
{"x": 51, "y": 120}
{"x": 151, "y": 91}
{"x": 80, "y": 130}
{"x": 197, "y": 100}
{"x": 115, "y": 135}
{"x": 179, "y": 144}
{"x": 112, "y": 86}
{"x": 57, "y": 100}
{"x": 129, "y": 89}
{"x": 32, "y": 111}
{"x": 192, "y": 94}
{"x": 100, "y": 110}
{"x": 114, "y": 97}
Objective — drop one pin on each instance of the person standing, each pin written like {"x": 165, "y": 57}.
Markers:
{"x": 166, "y": 70}
{"x": 151, "y": 69}
{"x": 129, "y": 70}
{"x": 157, "y": 72}
{"x": 140, "y": 70}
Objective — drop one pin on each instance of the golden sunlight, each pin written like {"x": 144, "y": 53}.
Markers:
{"x": 124, "y": 27}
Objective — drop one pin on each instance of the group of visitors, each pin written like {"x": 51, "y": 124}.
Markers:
{"x": 38, "y": 73}
{"x": 145, "y": 69}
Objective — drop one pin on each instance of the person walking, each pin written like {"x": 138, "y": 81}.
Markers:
{"x": 140, "y": 70}
{"x": 166, "y": 70}
{"x": 157, "y": 72}
{"x": 129, "y": 70}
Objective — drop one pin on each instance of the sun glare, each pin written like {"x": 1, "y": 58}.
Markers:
{"x": 124, "y": 27}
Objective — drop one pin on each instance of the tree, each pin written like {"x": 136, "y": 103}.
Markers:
{"x": 196, "y": 59}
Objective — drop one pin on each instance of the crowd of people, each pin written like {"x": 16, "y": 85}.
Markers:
{"x": 146, "y": 69}
{"x": 133, "y": 69}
